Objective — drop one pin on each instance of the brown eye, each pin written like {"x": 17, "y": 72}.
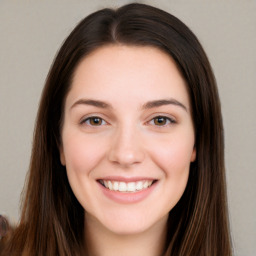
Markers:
{"x": 161, "y": 121}
{"x": 94, "y": 121}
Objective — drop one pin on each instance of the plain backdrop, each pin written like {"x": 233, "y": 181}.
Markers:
{"x": 32, "y": 31}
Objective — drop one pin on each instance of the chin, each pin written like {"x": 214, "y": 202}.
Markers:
{"x": 126, "y": 229}
{"x": 129, "y": 222}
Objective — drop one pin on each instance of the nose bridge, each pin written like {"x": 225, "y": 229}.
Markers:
{"x": 126, "y": 147}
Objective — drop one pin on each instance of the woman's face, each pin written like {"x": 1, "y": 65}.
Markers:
{"x": 127, "y": 137}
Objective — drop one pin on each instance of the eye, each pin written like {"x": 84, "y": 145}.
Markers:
{"x": 93, "y": 121}
{"x": 161, "y": 121}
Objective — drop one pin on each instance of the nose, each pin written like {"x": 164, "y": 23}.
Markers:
{"x": 126, "y": 148}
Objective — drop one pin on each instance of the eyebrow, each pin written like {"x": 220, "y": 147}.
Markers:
{"x": 162, "y": 102}
{"x": 90, "y": 102}
{"x": 148, "y": 105}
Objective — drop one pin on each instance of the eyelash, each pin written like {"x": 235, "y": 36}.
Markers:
{"x": 168, "y": 121}
{"x": 88, "y": 119}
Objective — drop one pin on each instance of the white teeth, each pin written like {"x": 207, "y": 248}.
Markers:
{"x": 139, "y": 185}
{"x": 122, "y": 187}
{"x": 110, "y": 185}
{"x": 145, "y": 185}
{"x": 115, "y": 186}
{"x": 127, "y": 187}
{"x": 150, "y": 183}
{"x": 131, "y": 187}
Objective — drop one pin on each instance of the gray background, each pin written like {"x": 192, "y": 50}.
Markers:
{"x": 32, "y": 31}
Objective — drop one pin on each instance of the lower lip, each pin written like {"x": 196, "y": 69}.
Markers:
{"x": 129, "y": 197}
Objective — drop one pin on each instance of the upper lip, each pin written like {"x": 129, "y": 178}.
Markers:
{"x": 126, "y": 179}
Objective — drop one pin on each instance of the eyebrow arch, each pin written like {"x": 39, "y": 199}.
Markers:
{"x": 148, "y": 105}
{"x": 162, "y": 102}
{"x": 95, "y": 103}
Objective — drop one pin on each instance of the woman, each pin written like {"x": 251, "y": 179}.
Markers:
{"x": 128, "y": 152}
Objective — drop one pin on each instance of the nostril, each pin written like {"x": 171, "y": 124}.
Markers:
{"x": 126, "y": 156}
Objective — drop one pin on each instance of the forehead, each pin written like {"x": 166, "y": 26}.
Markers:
{"x": 114, "y": 70}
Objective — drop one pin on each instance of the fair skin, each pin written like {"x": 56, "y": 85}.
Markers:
{"x": 127, "y": 144}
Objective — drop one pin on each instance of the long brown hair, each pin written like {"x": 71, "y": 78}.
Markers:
{"x": 52, "y": 219}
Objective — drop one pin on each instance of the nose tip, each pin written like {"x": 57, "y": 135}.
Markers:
{"x": 126, "y": 150}
{"x": 125, "y": 158}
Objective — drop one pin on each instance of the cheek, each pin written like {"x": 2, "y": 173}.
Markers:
{"x": 173, "y": 159}
{"x": 81, "y": 154}
{"x": 174, "y": 156}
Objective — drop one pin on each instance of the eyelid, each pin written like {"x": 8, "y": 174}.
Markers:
{"x": 171, "y": 120}
{"x": 88, "y": 117}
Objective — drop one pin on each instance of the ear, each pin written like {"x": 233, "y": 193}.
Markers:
{"x": 62, "y": 156}
{"x": 193, "y": 155}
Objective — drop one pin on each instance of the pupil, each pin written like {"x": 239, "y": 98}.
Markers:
{"x": 160, "y": 121}
{"x": 95, "y": 121}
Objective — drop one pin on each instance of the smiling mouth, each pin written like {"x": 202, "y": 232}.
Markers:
{"x": 127, "y": 187}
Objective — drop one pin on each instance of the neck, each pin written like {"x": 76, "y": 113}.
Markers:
{"x": 103, "y": 242}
